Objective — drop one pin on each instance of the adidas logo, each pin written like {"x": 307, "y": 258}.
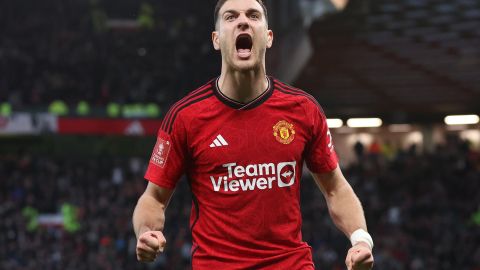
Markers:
{"x": 219, "y": 141}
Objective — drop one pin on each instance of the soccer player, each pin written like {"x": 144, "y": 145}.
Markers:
{"x": 242, "y": 140}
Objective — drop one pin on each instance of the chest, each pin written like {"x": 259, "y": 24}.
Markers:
{"x": 269, "y": 135}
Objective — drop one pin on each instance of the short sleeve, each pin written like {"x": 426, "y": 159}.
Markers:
{"x": 320, "y": 154}
{"x": 167, "y": 162}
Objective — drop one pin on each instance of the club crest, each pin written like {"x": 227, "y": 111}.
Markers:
{"x": 284, "y": 132}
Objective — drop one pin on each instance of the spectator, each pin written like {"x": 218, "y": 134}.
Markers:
{"x": 421, "y": 208}
{"x": 65, "y": 50}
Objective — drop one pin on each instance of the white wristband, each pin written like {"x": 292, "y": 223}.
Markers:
{"x": 361, "y": 235}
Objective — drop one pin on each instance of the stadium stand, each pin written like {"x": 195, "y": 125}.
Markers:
{"x": 420, "y": 206}
{"x": 54, "y": 50}
{"x": 406, "y": 61}
{"x": 393, "y": 58}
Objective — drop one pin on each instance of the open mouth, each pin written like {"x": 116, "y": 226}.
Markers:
{"x": 244, "y": 45}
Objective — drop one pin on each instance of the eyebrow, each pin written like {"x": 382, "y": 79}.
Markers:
{"x": 249, "y": 11}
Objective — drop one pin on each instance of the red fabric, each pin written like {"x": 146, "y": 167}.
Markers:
{"x": 259, "y": 227}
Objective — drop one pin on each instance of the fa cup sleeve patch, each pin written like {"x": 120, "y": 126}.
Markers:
{"x": 160, "y": 152}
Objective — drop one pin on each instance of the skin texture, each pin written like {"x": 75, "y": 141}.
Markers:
{"x": 347, "y": 214}
{"x": 340, "y": 4}
{"x": 243, "y": 78}
{"x": 359, "y": 257}
{"x": 148, "y": 222}
{"x": 242, "y": 17}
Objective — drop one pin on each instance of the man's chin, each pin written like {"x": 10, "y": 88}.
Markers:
{"x": 245, "y": 65}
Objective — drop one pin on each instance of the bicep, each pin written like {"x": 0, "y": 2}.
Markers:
{"x": 160, "y": 194}
{"x": 330, "y": 182}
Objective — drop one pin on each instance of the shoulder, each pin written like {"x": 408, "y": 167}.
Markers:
{"x": 305, "y": 99}
{"x": 187, "y": 106}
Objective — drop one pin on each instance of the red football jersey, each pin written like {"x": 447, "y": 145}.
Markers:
{"x": 244, "y": 164}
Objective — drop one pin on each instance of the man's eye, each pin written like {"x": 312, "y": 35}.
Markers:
{"x": 229, "y": 17}
{"x": 254, "y": 16}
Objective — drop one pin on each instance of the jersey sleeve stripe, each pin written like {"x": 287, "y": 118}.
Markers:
{"x": 168, "y": 118}
{"x": 184, "y": 99}
{"x": 179, "y": 105}
{"x": 203, "y": 96}
{"x": 297, "y": 92}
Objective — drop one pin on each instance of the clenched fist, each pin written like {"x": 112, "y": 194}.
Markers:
{"x": 359, "y": 257}
{"x": 149, "y": 245}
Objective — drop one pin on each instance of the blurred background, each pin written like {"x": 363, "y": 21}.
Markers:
{"x": 84, "y": 86}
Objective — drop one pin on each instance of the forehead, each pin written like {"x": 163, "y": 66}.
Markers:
{"x": 240, "y": 5}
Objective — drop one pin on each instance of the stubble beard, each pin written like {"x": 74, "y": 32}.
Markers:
{"x": 238, "y": 65}
{"x": 245, "y": 67}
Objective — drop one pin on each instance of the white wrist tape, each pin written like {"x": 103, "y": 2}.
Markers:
{"x": 361, "y": 235}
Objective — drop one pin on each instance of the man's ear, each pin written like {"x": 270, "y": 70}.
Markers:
{"x": 215, "y": 41}
{"x": 269, "y": 38}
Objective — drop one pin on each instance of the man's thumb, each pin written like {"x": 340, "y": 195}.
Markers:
{"x": 359, "y": 257}
{"x": 161, "y": 241}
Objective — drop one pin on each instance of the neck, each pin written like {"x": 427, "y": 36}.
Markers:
{"x": 243, "y": 86}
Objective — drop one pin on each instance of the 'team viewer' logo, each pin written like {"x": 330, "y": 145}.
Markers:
{"x": 255, "y": 176}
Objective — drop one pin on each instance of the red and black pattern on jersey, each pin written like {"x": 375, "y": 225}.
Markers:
{"x": 195, "y": 96}
{"x": 241, "y": 106}
{"x": 287, "y": 89}
{"x": 244, "y": 164}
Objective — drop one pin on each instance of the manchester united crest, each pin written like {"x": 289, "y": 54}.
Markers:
{"x": 284, "y": 132}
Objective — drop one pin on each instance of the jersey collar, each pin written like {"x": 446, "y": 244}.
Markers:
{"x": 244, "y": 106}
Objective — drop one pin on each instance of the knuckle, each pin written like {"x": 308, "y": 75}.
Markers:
{"x": 146, "y": 258}
{"x": 143, "y": 252}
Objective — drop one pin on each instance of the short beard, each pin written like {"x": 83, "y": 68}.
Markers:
{"x": 245, "y": 68}
{"x": 255, "y": 66}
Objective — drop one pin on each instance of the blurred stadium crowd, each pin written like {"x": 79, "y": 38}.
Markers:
{"x": 422, "y": 209}
{"x": 76, "y": 51}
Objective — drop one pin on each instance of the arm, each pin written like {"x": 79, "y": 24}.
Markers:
{"x": 149, "y": 220}
{"x": 343, "y": 205}
{"x": 347, "y": 214}
{"x": 149, "y": 214}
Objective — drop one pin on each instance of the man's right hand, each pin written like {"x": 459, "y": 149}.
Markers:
{"x": 149, "y": 245}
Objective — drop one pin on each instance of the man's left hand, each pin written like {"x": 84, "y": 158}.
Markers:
{"x": 359, "y": 257}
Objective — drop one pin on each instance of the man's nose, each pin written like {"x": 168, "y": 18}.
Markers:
{"x": 243, "y": 22}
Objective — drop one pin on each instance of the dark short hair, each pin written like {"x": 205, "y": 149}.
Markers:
{"x": 220, "y": 4}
